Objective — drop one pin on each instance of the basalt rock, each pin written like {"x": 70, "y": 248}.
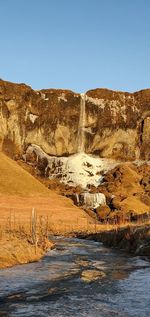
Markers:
{"x": 48, "y": 118}
{"x": 117, "y": 124}
{"x": 126, "y": 188}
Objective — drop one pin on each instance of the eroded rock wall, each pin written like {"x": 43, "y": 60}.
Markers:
{"x": 48, "y": 118}
{"x": 117, "y": 124}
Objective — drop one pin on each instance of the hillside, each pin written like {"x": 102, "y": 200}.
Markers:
{"x": 20, "y": 192}
{"x": 16, "y": 181}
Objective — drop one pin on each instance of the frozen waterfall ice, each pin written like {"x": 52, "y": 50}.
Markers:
{"x": 93, "y": 200}
{"x": 78, "y": 169}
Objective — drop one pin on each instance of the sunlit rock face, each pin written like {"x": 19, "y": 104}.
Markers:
{"x": 116, "y": 124}
{"x": 48, "y": 118}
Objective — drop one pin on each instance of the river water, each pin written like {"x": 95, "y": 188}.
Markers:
{"x": 54, "y": 287}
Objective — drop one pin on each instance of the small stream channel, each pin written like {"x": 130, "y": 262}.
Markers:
{"x": 54, "y": 287}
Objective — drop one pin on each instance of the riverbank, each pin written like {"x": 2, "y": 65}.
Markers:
{"x": 20, "y": 250}
{"x": 134, "y": 239}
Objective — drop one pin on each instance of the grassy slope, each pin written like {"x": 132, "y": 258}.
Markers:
{"x": 20, "y": 192}
{"x": 16, "y": 181}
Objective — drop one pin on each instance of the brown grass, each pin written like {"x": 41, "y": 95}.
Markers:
{"x": 19, "y": 194}
{"x": 16, "y": 181}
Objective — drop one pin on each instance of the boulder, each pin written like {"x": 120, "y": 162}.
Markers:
{"x": 103, "y": 212}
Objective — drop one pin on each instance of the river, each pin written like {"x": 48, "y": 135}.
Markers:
{"x": 54, "y": 287}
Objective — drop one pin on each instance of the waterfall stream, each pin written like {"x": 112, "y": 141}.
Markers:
{"x": 81, "y": 133}
{"x": 80, "y": 168}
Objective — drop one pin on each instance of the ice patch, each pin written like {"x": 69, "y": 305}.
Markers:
{"x": 93, "y": 200}
{"x": 62, "y": 97}
{"x": 78, "y": 169}
{"x": 96, "y": 101}
{"x": 32, "y": 117}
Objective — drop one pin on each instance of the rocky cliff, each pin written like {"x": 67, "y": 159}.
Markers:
{"x": 119, "y": 124}
{"x": 116, "y": 124}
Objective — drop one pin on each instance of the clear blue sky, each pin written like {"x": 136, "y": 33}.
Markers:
{"x": 76, "y": 44}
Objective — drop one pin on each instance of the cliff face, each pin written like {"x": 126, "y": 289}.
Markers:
{"x": 116, "y": 124}
{"x": 119, "y": 123}
{"x": 48, "y": 118}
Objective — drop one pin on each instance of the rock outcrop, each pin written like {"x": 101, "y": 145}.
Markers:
{"x": 127, "y": 191}
{"x": 117, "y": 124}
{"x": 48, "y": 118}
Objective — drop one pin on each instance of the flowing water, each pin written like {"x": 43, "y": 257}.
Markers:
{"x": 81, "y": 134}
{"x": 54, "y": 287}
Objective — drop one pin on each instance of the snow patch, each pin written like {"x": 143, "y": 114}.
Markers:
{"x": 115, "y": 105}
{"x": 32, "y": 117}
{"x": 62, "y": 97}
{"x": 96, "y": 101}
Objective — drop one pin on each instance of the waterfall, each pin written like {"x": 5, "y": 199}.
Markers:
{"x": 93, "y": 200}
{"x": 81, "y": 134}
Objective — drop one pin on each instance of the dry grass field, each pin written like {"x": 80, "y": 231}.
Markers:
{"x": 20, "y": 194}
